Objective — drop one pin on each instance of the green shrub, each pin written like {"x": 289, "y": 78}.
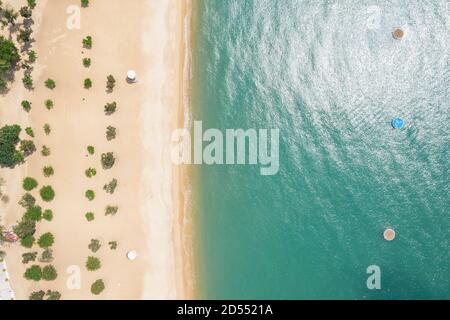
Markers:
{"x": 110, "y": 83}
{"x": 47, "y": 256}
{"x": 108, "y": 160}
{"x": 51, "y": 84}
{"x": 27, "y": 147}
{"x": 49, "y": 273}
{"x": 25, "y": 228}
{"x": 48, "y": 215}
{"x": 9, "y": 137}
{"x": 91, "y": 150}
{"x": 46, "y": 240}
{"x": 93, "y": 264}
{"x": 90, "y": 172}
{"x": 27, "y": 81}
{"x": 87, "y": 42}
{"x": 27, "y": 242}
{"x": 47, "y": 129}
{"x": 113, "y": 245}
{"x": 90, "y": 216}
{"x": 37, "y": 295}
{"x": 48, "y": 171}
{"x": 25, "y": 12}
{"x": 33, "y": 273}
{"x": 34, "y": 214}
{"x": 87, "y": 62}
{"x": 87, "y": 83}
{"x": 26, "y": 105}
{"x": 111, "y": 210}
{"x": 90, "y": 195}
{"x": 29, "y": 184}
{"x": 111, "y": 186}
{"x": 110, "y": 133}
{"x": 29, "y": 257}
{"x": 27, "y": 201}
{"x": 49, "y": 104}
{"x": 29, "y": 131}
{"x": 84, "y": 3}
{"x": 97, "y": 287}
{"x": 31, "y": 3}
{"x": 110, "y": 108}
{"x": 53, "y": 295}
{"x": 45, "y": 152}
{"x": 94, "y": 245}
{"x": 32, "y": 56}
{"x": 47, "y": 193}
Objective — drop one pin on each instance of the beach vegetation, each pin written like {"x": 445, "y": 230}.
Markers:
{"x": 87, "y": 83}
{"x": 111, "y": 210}
{"x": 9, "y": 137}
{"x": 97, "y": 287}
{"x": 48, "y": 171}
{"x": 93, "y": 263}
{"x": 108, "y": 160}
{"x": 90, "y": 195}
{"x": 29, "y": 131}
{"x": 90, "y": 172}
{"x": 27, "y": 147}
{"x": 46, "y": 240}
{"x": 49, "y": 273}
{"x": 29, "y": 183}
{"x": 27, "y": 201}
{"x": 47, "y": 129}
{"x": 110, "y": 108}
{"x": 46, "y": 256}
{"x": 34, "y": 213}
{"x": 32, "y": 56}
{"x": 113, "y": 245}
{"x": 26, "y": 12}
{"x": 111, "y": 186}
{"x": 90, "y": 216}
{"x": 29, "y": 257}
{"x": 50, "y": 84}
{"x": 27, "y": 80}
{"x": 110, "y": 83}
{"x": 9, "y": 56}
{"x": 87, "y": 42}
{"x": 25, "y": 228}
{"x": 111, "y": 133}
{"x": 53, "y": 295}
{"x": 10, "y": 16}
{"x": 33, "y": 273}
{"x": 45, "y": 151}
{"x": 87, "y": 62}
{"x": 49, "y": 104}
{"x": 47, "y": 193}
{"x": 84, "y": 3}
{"x": 27, "y": 242}
{"x": 24, "y": 35}
{"x": 47, "y": 215}
{"x": 94, "y": 245}
{"x": 37, "y": 295}
{"x": 26, "y": 105}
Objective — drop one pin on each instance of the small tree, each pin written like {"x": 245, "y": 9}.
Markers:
{"x": 48, "y": 171}
{"x": 87, "y": 83}
{"x": 49, "y": 104}
{"x": 37, "y": 295}
{"x": 25, "y": 35}
{"x": 90, "y": 172}
{"x": 46, "y": 256}
{"x": 34, "y": 214}
{"x": 46, "y": 240}
{"x": 48, "y": 215}
{"x": 111, "y": 210}
{"x": 91, "y": 150}
{"x": 87, "y": 42}
{"x": 93, "y": 264}
{"x": 111, "y": 186}
{"x": 87, "y": 62}
{"x": 94, "y": 245}
{"x": 90, "y": 216}
{"x": 32, "y": 56}
{"x": 26, "y": 12}
{"x": 110, "y": 133}
{"x": 50, "y": 83}
{"x": 25, "y": 228}
{"x": 49, "y": 273}
{"x": 27, "y": 80}
{"x": 29, "y": 257}
{"x": 110, "y": 108}
{"x": 113, "y": 245}
{"x": 90, "y": 195}
{"x": 26, "y": 105}
{"x": 27, "y": 242}
{"x": 29, "y": 183}
{"x": 27, "y": 201}
{"x": 47, "y": 129}
{"x": 84, "y": 3}
{"x": 97, "y": 287}
{"x": 29, "y": 131}
{"x": 53, "y": 295}
{"x": 31, "y": 3}
{"x": 45, "y": 151}
{"x": 110, "y": 83}
{"x": 47, "y": 193}
{"x": 108, "y": 160}
{"x": 33, "y": 273}
{"x": 27, "y": 147}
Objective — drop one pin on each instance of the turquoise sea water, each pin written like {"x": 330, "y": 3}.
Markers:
{"x": 330, "y": 76}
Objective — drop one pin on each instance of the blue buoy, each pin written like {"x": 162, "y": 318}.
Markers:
{"x": 398, "y": 123}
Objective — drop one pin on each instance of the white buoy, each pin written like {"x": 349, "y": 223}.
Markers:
{"x": 131, "y": 75}
{"x": 389, "y": 234}
{"x": 132, "y": 255}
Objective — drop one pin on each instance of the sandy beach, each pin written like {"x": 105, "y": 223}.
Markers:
{"x": 143, "y": 35}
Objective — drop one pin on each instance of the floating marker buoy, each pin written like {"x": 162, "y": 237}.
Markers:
{"x": 398, "y": 123}
{"x": 398, "y": 33}
{"x": 389, "y": 234}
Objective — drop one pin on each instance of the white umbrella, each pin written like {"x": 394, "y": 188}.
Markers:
{"x": 132, "y": 255}
{"x": 131, "y": 75}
